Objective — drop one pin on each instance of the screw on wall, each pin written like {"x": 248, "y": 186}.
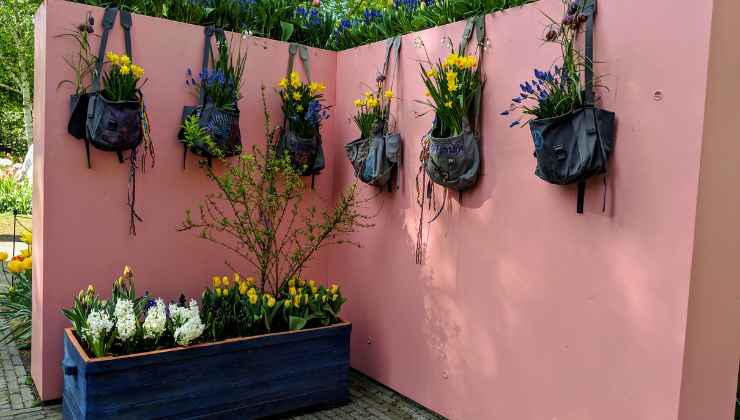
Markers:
{"x": 445, "y": 375}
{"x": 369, "y": 340}
{"x": 658, "y": 95}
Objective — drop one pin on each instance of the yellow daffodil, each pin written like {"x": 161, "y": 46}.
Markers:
{"x": 359, "y": 103}
{"x": 125, "y": 70}
{"x": 315, "y": 87}
{"x": 432, "y": 73}
{"x": 3, "y": 256}
{"x": 26, "y": 253}
{"x": 389, "y": 94}
{"x": 216, "y": 281}
{"x": 125, "y": 60}
{"x": 15, "y": 266}
{"x": 299, "y": 108}
{"x": 137, "y": 71}
{"x": 27, "y": 237}
{"x": 27, "y": 264}
{"x": 218, "y": 291}
{"x": 253, "y": 299}
{"x": 453, "y": 87}
{"x": 225, "y": 281}
{"x": 114, "y": 59}
{"x": 448, "y": 104}
{"x": 368, "y": 94}
{"x": 297, "y": 96}
{"x": 372, "y": 103}
{"x": 283, "y": 83}
{"x": 295, "y": 80}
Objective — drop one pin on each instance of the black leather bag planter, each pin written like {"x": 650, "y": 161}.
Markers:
{"x": 78, "y": 115}
{"x": 306, "y": 154}
{"x": 114, "y": 126}
{"x": 376, "y": 158}
{"x": 574, "y": 147}
{"x": 454, "y": 162}
{"x": 222, "y": 125}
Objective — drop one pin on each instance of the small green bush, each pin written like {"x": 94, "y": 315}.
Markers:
{"x": 15, "y": 196}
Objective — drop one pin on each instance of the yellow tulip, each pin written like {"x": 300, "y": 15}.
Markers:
{"x": 226, "y": 292}
{"x": 311, "y": 284}
{"x": 250, "y": 281}
{"x": 90, "y": 289}
{"x": 3, "y": 256}
{"x": 218, "y": 291}
{"x": 302, "y": 282}
{"x": 297, "y": 301}
{"x": 291, "y": 282}
{"x": 242, "y": 289}
{"x": 253, "y": 299}
{"x": 270, "y": 301}
{"x": 127, "y": 271}
{"x": 334, "y": 288}
{"x": 15, "y": 266}
{"x": 252, "y": 292}
{"x": 314, "y": 290}
{"x": 27, "y": 264}
{"x": 216, "y": 281}
{"x": 225, "y": 281}
{"x": 292, "y": 291}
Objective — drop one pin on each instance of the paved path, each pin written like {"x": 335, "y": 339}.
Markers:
{"x": 369, "y": 400}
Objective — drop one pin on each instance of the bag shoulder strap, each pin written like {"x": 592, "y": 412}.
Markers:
{"x": 109, "y": 19}
{"x": 209, "y": 31}
{"x": 589, "y": 9}
{"x": 392, "y": 55}
{"x": 475, "y": 24}
{"x": 302, "y": 50}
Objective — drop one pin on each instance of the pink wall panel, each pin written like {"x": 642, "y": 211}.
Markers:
{"x": 523, "y": 309}
{"x": 83, "y": 229}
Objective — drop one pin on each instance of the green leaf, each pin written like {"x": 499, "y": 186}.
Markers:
{"x": 296, "y": 323}
{"x": 287, "y": 31}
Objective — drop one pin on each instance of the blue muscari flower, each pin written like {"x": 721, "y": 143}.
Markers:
{"x": 514, "y": 124}
{"x": 301, "y": 11}
{"x": 505, "y": 113}
{"x": 345, "y": 24}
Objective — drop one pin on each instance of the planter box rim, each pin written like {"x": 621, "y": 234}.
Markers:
{"x": 73, "y": 339}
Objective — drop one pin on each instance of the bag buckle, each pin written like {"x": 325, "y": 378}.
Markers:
{"x": 559, "y": 151}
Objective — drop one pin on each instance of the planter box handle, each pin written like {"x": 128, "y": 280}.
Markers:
{"x": 70, "y": 370}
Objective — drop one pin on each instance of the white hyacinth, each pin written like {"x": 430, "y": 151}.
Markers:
{"x": 188, "y": 325}
{"x": 125, "y": 319}
{"x": 155, "y": 321}
{"x": 98, "y": 323}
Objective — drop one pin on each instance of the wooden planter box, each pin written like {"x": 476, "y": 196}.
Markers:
{"x": 241, "y": 378}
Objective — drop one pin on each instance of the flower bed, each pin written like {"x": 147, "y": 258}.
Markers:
{"x": 328, "y": 24}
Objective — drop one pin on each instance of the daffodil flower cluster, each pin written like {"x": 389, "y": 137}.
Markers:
{"x": 373, "y": 110}
{"x": 122, "y": 80}
{"x": 452, "y": 85}
{"x": 303, "y": 104}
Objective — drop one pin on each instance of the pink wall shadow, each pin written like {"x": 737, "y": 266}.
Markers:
{"x": 81, "y": 219}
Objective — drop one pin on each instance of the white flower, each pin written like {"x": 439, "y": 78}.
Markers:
{"x": 187, "y": 323}
{"x": 155, "y": 321}
{"x": 98, "y": 323}
{"x": 125, "y": 319}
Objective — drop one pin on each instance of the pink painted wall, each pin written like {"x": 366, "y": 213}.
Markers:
{"x": 80, "y": 215}
{"x": 523, "y": 309}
